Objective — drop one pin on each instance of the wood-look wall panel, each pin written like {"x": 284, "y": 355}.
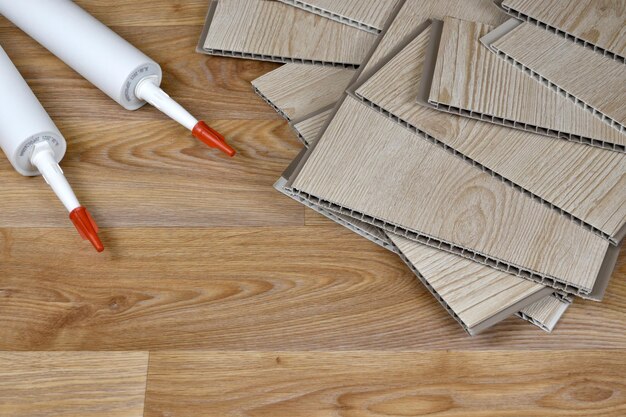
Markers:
{"x": 585, "y": 77}
{"x": 474, "y": 292}
{"x": 368, "y": 163}
{"x": 296, "y": 90}
{"x": 601, "y": 24}
{"x": 273, "y": 31}
{"x": 414, "y": 12}
{"x": 469, "y": 79}
{"x": 369, "y": 15}
{"x": 309, "y": 129}
{"x": 547, "y": 312}
{"x": 585, "y": 182}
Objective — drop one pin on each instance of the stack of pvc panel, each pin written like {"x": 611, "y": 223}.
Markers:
{"x": 483, "y": 142}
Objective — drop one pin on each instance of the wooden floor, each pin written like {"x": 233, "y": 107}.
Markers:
{"x": 217, "y": 296}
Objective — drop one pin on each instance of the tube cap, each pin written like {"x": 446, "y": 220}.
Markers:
{"x": 213, "y": 138}
{"x": 86, "y": 226}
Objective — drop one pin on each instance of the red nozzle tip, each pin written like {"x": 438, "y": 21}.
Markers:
{"x": 86, "y": 226}
{"x": 212, "y": 138}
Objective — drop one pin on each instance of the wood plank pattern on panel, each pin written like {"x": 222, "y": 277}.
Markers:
{"x": 476, "y": 295}
{"x": 546, "y": 312}
{"x": 300, "y": 87}
{"x": 486, "y": 384}
{"x": 211, "y": 88}
{"x": 273, "y": 31}
{"x": 68, "y": 384}
{"x": 584, "y": 182}
{"x": 585, "y": 77}
{"x": 296, "y": 90}
{"x": 470, "y": 80}
{"x": 599, "y": 24}
{"x": 306, "y": 288}
{"x": 309, "y": 128}
{"x": 155, "y": 174}
{"x": 518, "y": 230}
{"x": 414, "y": 12}
{"x": 369, "y": 15}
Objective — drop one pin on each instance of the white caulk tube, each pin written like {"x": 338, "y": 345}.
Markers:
{"x": 104, "y": 58}
{"x": 34, "y": 145}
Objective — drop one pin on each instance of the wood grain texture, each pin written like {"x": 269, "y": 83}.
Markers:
{"x": 585, "y": 182}
{"x": 146, "y": 170}
{"x": 369, "y": 15}
{"x": 519, "y": 231}
{"x": 296, "y": 90}
{"x": 469, "y": 79}
{"x": 309, "y": 128}
{"x": 597, "y": 81}
{"x": 299, "y": 289}
{"x": 600, "y": 24}
{"x": 270, "y": 30}
{"x": 86, "y": 384}
{"x": 376, "y": 384}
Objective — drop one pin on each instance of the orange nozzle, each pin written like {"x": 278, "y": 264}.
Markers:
{"x": 86, "y": 226}
{"x": 212, "y": 138}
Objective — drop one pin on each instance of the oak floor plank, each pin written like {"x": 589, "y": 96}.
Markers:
{"x": 302, "y": 288}
{"x": 133, "y": 173}
{"x": 72, "y": 384}
{"x": 377, "y": 384}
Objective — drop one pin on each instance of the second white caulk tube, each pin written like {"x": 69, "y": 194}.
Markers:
{"x": 89, "y": 47}
{"x": 34, "y": 145}
{"x": 23, "y": 121}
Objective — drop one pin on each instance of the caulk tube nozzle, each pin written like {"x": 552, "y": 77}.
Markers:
{"x": 44, "y": 159}
{"x": 149, "y": 90}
